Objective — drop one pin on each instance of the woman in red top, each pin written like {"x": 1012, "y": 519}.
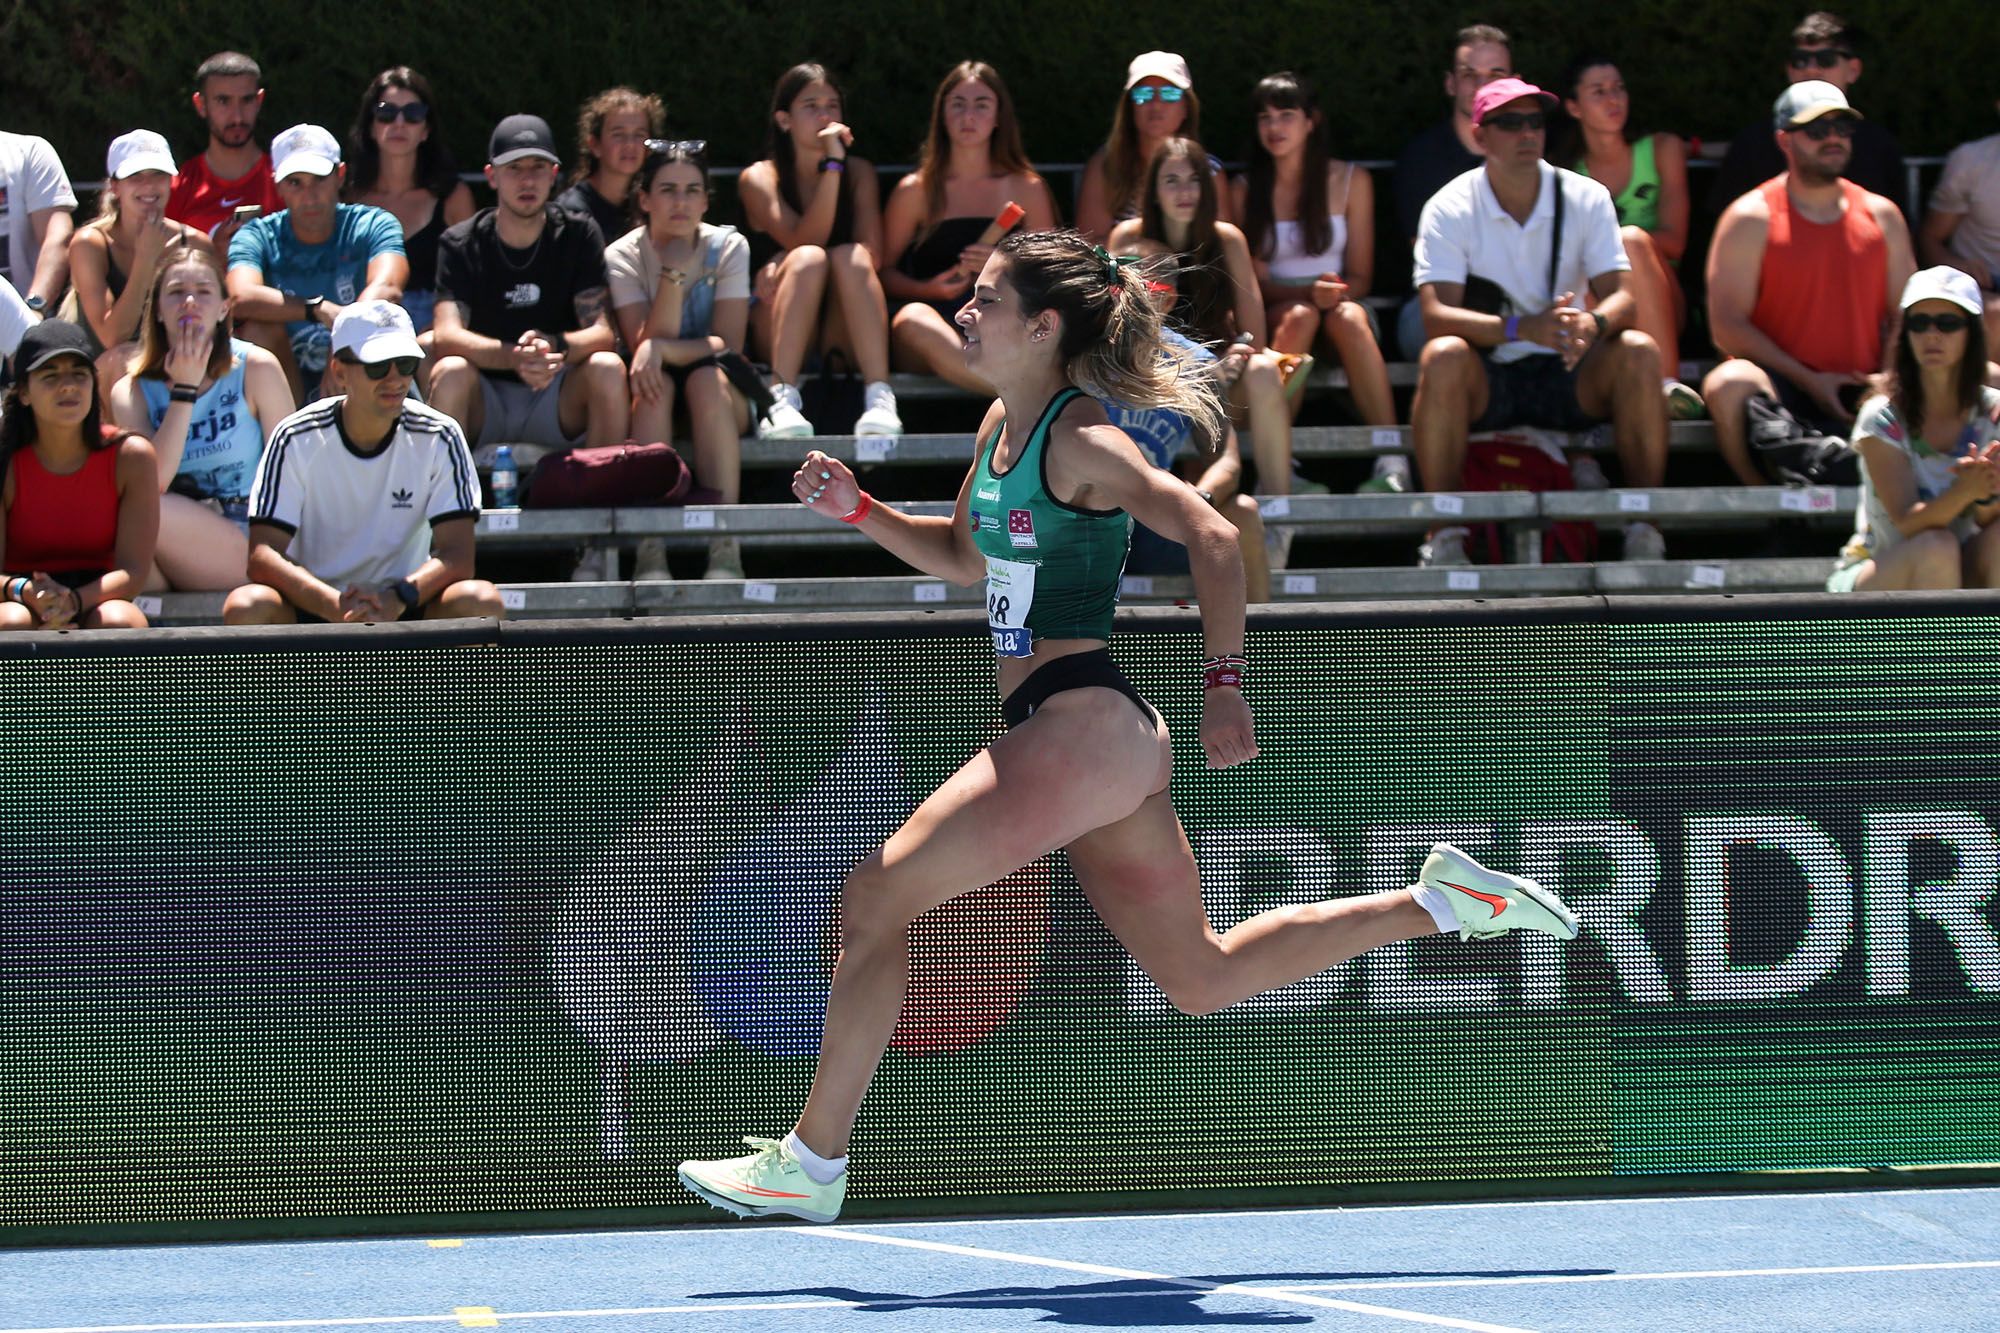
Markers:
{"x": 79, "y": 501}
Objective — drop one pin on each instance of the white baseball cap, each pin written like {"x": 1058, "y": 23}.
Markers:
{"x": 140, "y": 150}
{"x": 375, "y": 331}
{"x": 1943, "y": 283}
{"x": 1809, "y": 101}
{"x": 306, "y": 148}
{"x": 1158, "y": 65}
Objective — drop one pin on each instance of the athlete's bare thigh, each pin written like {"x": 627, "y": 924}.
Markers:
{"x": 1087, "y": 758}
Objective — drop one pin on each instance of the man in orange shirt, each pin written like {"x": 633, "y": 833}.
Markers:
{"x": 1803, "y": 280}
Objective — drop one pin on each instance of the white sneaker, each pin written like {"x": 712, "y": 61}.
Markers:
{"x": 597, "y": 564}
{"x": 1586, "y": 475}
{"x": 1644, "y": 542}
{"x": 1445, "y": 547}
{"x": 1278, "y": 546}
{"x": 1488, "y": 903}
{"x": 786, "y": 421}
{"x": 649, "y": 563}
{"x": 878, "y": 411}
{"x": 725, "y": 559}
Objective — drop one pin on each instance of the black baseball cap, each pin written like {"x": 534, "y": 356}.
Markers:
{"x": 521, "y": 136}
{"x": 48, "y": 340}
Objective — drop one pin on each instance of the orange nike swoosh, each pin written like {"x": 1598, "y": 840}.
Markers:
{"x": 1492, "y": 900}
{"x": 769, "y": 1194}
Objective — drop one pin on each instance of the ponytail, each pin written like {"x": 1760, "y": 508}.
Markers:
{"x": 1112, "y": 334}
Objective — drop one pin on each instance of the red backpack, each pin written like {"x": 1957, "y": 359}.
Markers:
{"x": 1512, "y": 461}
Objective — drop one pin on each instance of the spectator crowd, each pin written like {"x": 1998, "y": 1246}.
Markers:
{"x": 280, "y": 373}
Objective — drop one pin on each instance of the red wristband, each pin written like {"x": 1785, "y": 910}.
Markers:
{"x": 1225, "y": 670}
{"x": 861, "y": 508}
{"x": 1214, "y": 677}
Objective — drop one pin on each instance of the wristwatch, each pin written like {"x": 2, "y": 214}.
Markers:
{"x": 312, "y": 304}
{"x": 406, "y": 593}
{"x": 39, "y": 305}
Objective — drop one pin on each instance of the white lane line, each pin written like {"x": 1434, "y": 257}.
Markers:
{"x": 1165, "y": 1279}
{"x": 1366, "y": 1209}
{"x": 1689, "y": 1275}
{"x": 371, "y": 1320}
{"x": 1347, "y": 1210}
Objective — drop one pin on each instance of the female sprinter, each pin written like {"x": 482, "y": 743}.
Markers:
{"x": 1085, "y": 762}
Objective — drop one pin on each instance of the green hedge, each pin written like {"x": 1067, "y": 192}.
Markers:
{"x": 81, "y": 73}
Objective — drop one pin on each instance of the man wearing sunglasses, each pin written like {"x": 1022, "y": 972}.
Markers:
{"x": 1803, "y": 277}
{"x": 233, "y": 172}
{"x": 1505, "y": 255}
{"x": 292, "y": 273}
{"x": 364, "y": 503}
{"x": 1824, "y": 49}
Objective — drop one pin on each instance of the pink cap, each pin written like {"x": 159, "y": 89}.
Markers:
{"x": 1502, "y": 91}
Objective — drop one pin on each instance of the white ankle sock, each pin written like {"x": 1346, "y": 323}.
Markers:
{"x": 1437, "y": 904}
{"x": 823, "y": 1170}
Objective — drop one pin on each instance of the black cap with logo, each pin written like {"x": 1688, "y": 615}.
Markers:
{"x": 521, "y": 136}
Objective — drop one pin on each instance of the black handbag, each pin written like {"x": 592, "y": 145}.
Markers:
{"x": 1485, "y": 296}
{"x": 743, "y": 377}
{"x": 1790, "y": 454}
{"x": 832, "y": 399}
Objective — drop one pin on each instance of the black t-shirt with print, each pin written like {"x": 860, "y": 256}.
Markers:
{"x": 505, "y": 291}
{"x": 583, "y": 198}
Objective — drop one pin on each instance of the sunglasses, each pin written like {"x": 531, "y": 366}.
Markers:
{"x": 685, "y": 147}
{"x": 1942, "y": 323}
{"x": 414, "y": 112}
{"x": 406, "y": 366}
{"x": 1826, "y": 57}
{"x": 1146, "y": 92}
{"x": 1841, "y": 127}
{"x": 1513, "y": 122}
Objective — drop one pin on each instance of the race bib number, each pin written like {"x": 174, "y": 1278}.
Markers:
{"x": 1010, "y": 592}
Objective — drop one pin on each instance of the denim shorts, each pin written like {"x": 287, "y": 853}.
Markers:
{"x": 1533, "y": 391}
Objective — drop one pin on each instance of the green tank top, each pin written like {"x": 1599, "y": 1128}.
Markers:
{"x": 1639, "y": 204}
{"x": 1052, "y": 569}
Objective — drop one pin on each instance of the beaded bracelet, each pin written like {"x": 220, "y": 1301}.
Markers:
{"x": 1226, "y": 670}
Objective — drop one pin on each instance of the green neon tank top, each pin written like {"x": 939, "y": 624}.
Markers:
{"x": 1052, "y": 569}
{"x": 1639, "y": 204}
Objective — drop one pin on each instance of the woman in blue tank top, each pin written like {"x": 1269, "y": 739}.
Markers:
{"x": 208, "y": 402}
{"x": 1085, "y": 762}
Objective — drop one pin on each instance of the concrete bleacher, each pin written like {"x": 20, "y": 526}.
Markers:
{"x": 788, "y": 535}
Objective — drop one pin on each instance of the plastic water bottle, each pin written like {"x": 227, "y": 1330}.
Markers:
{"x": 506, "y": 480}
